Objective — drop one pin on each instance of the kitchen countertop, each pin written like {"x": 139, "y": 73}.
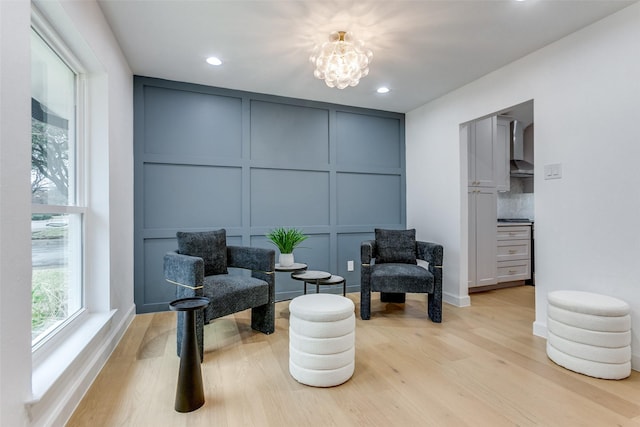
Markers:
{"x": 514, "y": 223}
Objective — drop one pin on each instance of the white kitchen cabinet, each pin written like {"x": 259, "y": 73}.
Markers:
{"x": 509, "y": 250}
{"x": 514, "y": 231}
{"x": 503, "y": 154}
{"x": 510, "y": 271}
{"x": 513, "y": 257}
{"x": 482, "y": 236}
{"x": 488, "y": 153}
{"x": 488, "y": 168}
{"x": 482, "y": 153}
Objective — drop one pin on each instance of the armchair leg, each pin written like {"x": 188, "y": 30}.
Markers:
{"x": 263, "y": 318}
{"x": 392, "y": 297}
{"x": 365, "y": 305}
{"x": 434, "y": 308}
{"x": 199, "y": 332}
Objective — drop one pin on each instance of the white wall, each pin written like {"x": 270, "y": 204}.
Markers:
{"x": 15, "y": 212}
{"x": 586, "y": 91}
{"x": 110, "y": 242}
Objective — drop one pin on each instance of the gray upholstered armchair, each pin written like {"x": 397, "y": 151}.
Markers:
{"x": 400, "y": 265}
{"x": 199, "y": 268}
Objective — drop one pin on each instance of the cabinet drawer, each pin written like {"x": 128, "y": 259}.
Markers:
{"x": 513, "y": 250}
{"x": 514, "y": 232}
{"x": 514, "y": 270}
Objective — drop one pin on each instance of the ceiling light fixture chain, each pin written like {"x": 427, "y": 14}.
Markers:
{"x": 342, "y": 61}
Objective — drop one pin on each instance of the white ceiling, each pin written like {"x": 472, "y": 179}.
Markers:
{"x": 422, "y": 48}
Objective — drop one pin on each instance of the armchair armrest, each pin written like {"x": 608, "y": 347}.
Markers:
{"x": 256, "y": 259}
{"x": 368, "y": 251}
{"x": 430, "y": 252}
{"x": 433, "y": 254}
{"x": 186, "y": 272}
{"x": 261, "y": 262}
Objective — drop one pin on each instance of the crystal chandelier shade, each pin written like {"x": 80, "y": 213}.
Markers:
{"x": 342, "y": 61}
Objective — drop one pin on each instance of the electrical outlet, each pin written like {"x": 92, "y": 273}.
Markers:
{"x": 350, "y": 265}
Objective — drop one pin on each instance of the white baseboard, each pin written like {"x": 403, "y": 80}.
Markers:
{"x": 540, "y": 329}
{"x": 635, "y": 362}
{"x": 455, "y": 300}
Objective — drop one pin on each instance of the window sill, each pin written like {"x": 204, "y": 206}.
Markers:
{"x": 60, "y": 364}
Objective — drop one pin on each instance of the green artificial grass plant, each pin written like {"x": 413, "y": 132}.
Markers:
{"x": 286, "y": 240}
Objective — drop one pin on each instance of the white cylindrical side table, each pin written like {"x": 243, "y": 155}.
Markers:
{"x": 589, "y": 333}
{"x": 321, "y": 339}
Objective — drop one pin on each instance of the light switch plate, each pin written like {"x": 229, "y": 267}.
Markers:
{"x": 349, "y": 265}
{"x": 553, "y": 171}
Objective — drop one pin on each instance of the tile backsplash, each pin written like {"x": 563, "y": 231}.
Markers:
{"x": 516, "y": 203}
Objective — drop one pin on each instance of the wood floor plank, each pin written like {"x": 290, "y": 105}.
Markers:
{"x": 480, "y": 367}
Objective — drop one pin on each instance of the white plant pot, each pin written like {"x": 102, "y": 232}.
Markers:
{"x": 286, "y": 260}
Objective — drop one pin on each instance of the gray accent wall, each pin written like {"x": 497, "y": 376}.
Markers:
{"x": 208, "y": 158}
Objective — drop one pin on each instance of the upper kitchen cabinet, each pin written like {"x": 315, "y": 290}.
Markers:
{"x": 482, "y": 153}
{"x": 488, "y": 154}
{"x": 502, "y": 172}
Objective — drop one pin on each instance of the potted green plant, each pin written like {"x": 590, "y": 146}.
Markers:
{"x": 286, "y": 240}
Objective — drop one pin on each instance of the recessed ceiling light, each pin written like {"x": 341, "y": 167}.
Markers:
{"x": 214, "y": 60}
{"x": 383, "y": 89}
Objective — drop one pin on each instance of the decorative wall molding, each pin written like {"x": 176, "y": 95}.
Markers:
{"x": 208, "y": 158}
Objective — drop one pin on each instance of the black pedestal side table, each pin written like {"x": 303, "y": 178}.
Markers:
{"x": 190, "y": 391}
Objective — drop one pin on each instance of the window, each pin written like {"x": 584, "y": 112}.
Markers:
{"x": 56, "y": 189}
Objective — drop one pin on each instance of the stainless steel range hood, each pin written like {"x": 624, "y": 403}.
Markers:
{"x": 519, "y": 166}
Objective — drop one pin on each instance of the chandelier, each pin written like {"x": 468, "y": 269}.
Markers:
{"x": 342, "y": 61}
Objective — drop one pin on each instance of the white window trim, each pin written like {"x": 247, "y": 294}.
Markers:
{"x": 68, "y": 364}
{"x": 60, "y": 333}
{"x": 40, "y": 24}
{"x": 58, "y": 359}
{"x": 57, "y": 209}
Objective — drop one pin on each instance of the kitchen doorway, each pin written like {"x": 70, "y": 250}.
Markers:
{"x": 501, "y": 198}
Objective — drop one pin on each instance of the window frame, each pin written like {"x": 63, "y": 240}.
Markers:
{"x": 49, "y": 341}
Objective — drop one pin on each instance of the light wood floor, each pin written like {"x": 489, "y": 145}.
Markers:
{"x": 480, "y": 367}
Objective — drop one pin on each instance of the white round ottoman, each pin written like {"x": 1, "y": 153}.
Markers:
{"x": 589, "y": 333}
{"x": 321, "y": 339}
